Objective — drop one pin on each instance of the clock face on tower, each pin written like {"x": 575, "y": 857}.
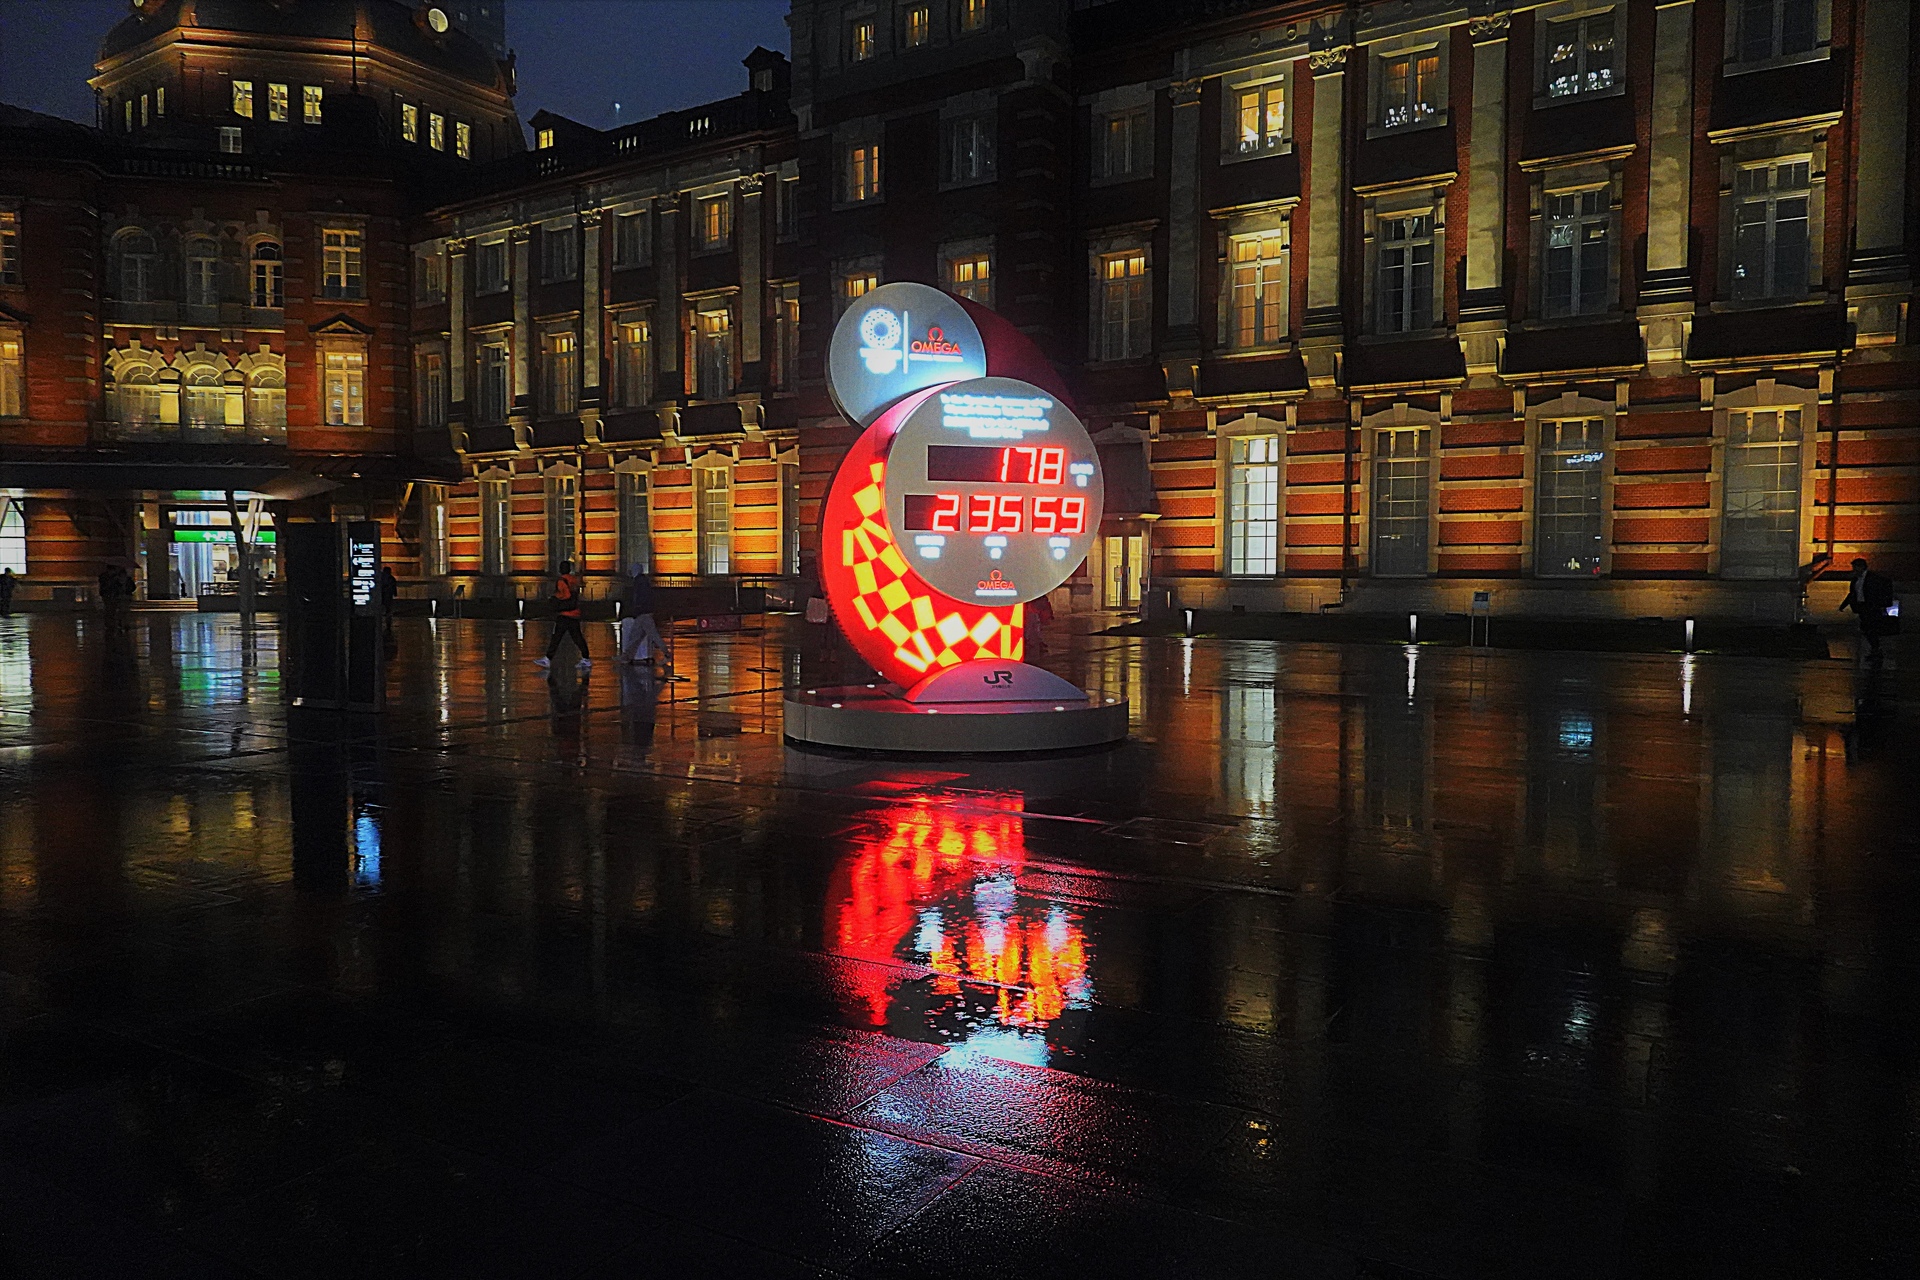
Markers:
{"x": 437, "y": 19}
{"x": 993, "y": 491}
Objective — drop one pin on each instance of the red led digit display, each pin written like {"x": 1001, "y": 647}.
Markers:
{"x": 1046, "y": 515}
{"x": 1011, "y": 464}
{"x": 980, "y": 513}
{"x": 1073, "y": 515}
{"x": 1007, "y": 513}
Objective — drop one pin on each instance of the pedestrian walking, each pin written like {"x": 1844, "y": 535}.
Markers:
{"x": 566, "y": 617}
{"x": 116, "y": 594}
{"x": 1870, "y": 596}
{"x": 389, "y": 590}
{"x": 7, "y": 584}
{"x": 639, "y": 633}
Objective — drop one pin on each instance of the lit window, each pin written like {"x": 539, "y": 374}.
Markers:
{"x": 787, "y": 208}
{"x": 861, "y": 41}
{"x": 206, "y": 399}
{"x": 560, "y": 373}
{"x": 1259, "y": 290}
{"x": 559, "y": 253}
{"x": 434, "y": 540}
{"x": 13, "y": 376}
{"x": 430, "y": 275}
{"x": 230, "y": 139}
{"x": 13, "y": 536}
{"x": 1770, "y": 239}
{"x": 277, "y": 101}
{"x": 969, "y": 150}
{"x": 1580, "y": 55}
{"x": 1400, "y": 502}
{"x": 1124, "y": 144}
{"x": 243, "y": 98}
{"x": 857, "y": 285}
{"x": 1124, "y": 297}
{"x": 713, "y": 353}
{"x": 136, "y": 399}
{"x": 630, "y": 240}
{"x": 9, "y": 247}
{"x": 919, "y": 26}
{"x": 128, "y": 113}
{"x": 636, "y": 531}
{"x": 973, "y": 15}
{"x": 160, "y": 102}
{"x": 409, "y": 122}
{"x": 340, "y": 275}
{"x": 463, "y": 140}
{"x": 1253, "y": 505}
{"x": 1409, "y": 89}
{"x": 633, "y": 364}
{"x": 267, "y": 275}
{"x": 267, "y": 400}
{"x": 346, "y": 388}
{"x": 1579, "y": 257}
{"x": 1405, "y": 296}
{"x": 543, "y": 140}
{"x": 1767, "y": 29}
{"x": 713, "y": 518}
{"x": 1261, "y": 118}
{"x": 310, "y": 97}
{"x": 715, "y": 219}
{"x": 863, "y": 172}
{"x": 146, "y": 109}
{"x": 1568, "y": 516}
{"x": 437, "y": 132}
{"x": 496, "y": 527}
{"x": 971, "y": 277}
{"x": 1760, "y": 524}
{"x": 493, "y": 395}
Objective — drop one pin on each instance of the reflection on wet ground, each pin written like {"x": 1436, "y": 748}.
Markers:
{"x": 1356, "y": 961}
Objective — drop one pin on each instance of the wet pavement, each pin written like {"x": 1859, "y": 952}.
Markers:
{"x": 1358, "y": 961}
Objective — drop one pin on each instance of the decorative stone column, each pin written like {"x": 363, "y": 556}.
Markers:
{"x": 1666, "y": 291}
{"x": 666, "y": 311}
{"x": 1326, "y": 178}
{"x": 1483, "y": 305}
{"x": 457, "y": 326}
{"x": 753, "y": 288}
{"x": 1182, "y": 347}
{"x": 520, "y": 415}
{"x": 1881, "y": 276}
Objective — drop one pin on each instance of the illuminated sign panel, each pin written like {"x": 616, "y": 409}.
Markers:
{"x": 363, "y": 563}
{"x": 993, "y": 522}
{"x": 898, "y": 339}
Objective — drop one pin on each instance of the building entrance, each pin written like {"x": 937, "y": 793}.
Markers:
{"x": 1125, "y": 562}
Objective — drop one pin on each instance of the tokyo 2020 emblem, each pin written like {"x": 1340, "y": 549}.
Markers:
{"x": 880, "y": 331}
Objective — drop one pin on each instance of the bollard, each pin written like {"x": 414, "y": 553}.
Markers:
{"x": 1689, "y": 635}
{"x": 1413, "y": 628}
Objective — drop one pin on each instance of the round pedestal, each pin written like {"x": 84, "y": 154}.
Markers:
{"x": 865, "y": 719}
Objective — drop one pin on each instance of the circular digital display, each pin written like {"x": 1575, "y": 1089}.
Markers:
{"x": 993, "y": 491}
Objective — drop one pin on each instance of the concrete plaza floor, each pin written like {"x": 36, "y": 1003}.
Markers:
{"x": 1357, "y": 961}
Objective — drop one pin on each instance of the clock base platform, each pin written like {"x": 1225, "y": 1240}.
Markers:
{"x": 858, "y": 718}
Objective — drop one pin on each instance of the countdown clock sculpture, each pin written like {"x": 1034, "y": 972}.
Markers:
{"x": 968, "y": 494}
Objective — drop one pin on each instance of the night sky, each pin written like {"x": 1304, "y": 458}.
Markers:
{"x": 577, "y": 57}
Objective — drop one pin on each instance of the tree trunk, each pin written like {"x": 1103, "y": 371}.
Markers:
{"x": 243, "y": 547}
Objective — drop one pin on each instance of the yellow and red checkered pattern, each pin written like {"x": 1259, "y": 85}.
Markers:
{"x": 894, "y": 619}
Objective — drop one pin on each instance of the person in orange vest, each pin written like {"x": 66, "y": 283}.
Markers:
{"x": 566, "y": 617}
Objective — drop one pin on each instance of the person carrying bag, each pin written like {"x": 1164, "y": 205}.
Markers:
{"x": 566, "y": 617}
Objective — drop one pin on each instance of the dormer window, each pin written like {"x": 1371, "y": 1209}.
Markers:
{"x": 463, "y": 140}
{"x": 543, "y": 140}
{"x": 437, "y": 132}
{"x": 763, "y": 80}
{"x": 310, "y": 96}
{"x": 918, "y": 26}
{"x": 243, "y": 98}
{"x": 409, "y": 122}
{"x": 277, "y": 103}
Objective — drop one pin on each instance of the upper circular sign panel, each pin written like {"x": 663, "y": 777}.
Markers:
{"x": 993, "y": 490}
{"x": 896, "y": 340}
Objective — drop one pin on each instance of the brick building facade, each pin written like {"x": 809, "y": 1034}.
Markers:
{"x": 1602, "y": 307}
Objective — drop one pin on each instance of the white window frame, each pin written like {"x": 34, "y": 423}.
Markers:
{"x": 559, "y": 372}
{"x": 1578, "y": 13}
{"x": 713, "y": 516}
{"x": 1385, "y": 54}
{"x": 967, "y": 258}
{"x": 1122, "y": 315}
{"x": 10, "y": 247}
{"x": 862, "y": 172}
{"x": 496, "y": 524}
{"x": 1769, "y": 202}
{"x": 266, "y": 275}
{"x": 1550, "y": 426}
{"x": 1380, "y": 247}
{"x": 968, "y": 150}
{"x": 1265, "y": 82}
{"x": 312, "y": 103}
{"x": 625, "y": 365}
{"x": 343, "y": 264}
{"x": 633, "y": 498}
{"x": 1577, "y": 224}
{"x": 1271, "y": 231}
{"x": 633, "y": 238}
{"x": 492, "y": 398}
{"x": 1400, "y": 468}
{"x": 343, "y": 390}
{"x": 1138, "y": 106}
{"x": 561, "y": 494}
{"x": 1255, "y": 491}
{"x": 1736, "y": 64}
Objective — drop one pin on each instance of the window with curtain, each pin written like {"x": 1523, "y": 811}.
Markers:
{"x": 345, "y": 387}
{"x": 1410, "y": 92}
{"x": 1257, "y": 289}
{"x": 1580, "y": 55}
{"x": 861, "y": 173}
{"x": 1253, "y": 505}
{"x": 973, "y": 15}
{"x": 713, "y": 353}
{"x": 714, "y": 218}
{"x": 1125, "y": 324}
{"x": 970, "y": 276}
{"x": 916, "y": 26}
{"x": 277, "y": 100}
{"x": 636, "y": 532}
{"x": 560, "y": 373}
{"x": 13, "y": 375}
{"x": 1569, "y": 519}
{"x": 496, "y": 527}
{"x": 1400, "y": 502}
{"x": 1760, "y": 503}
{"x": 1260, "y": 112}
{"x": 311, "y": 97}
{"x": 409, "y": 122}
{"x": 713, "y": 518}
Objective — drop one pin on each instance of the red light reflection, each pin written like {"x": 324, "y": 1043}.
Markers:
{"x": 939, "y": 887}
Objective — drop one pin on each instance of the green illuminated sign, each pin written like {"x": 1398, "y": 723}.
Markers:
{"x": 262, "y": 538}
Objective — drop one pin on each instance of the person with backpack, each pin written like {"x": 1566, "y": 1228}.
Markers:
{"x": 566, "y": 617}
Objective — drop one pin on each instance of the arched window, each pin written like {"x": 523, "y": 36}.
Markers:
{"x": 139, "y": 266}
{"x": 203, "y": 273}
{"x": 267, "y": 290}
{"x": 206, "y": 399}
{"x": 267, "y": 400}
{"x": 135, "y": 397}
